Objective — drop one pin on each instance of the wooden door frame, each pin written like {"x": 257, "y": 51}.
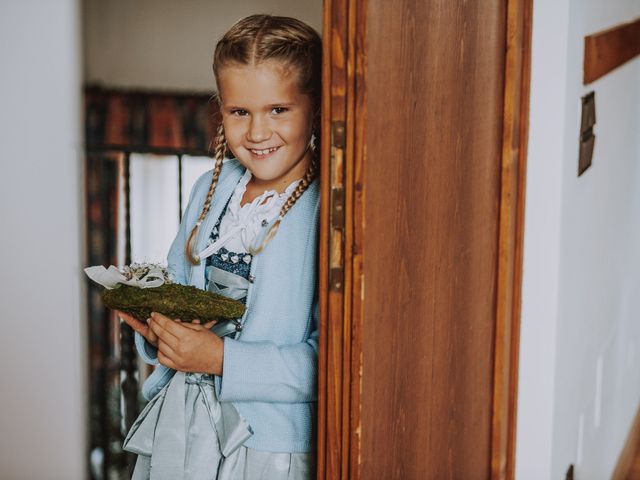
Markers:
{"x": 511, "y": 237}
{"x": 341, "y": 309}
{"x": 336, "y": 337}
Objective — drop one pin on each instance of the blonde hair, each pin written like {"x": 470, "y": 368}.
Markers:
{"x": 252, "y": 40}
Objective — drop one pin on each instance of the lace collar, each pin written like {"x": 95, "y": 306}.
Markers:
{"x": 244, "y": 224}
{"x": 268, "y": 210}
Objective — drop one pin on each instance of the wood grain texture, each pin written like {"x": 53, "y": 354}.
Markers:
{"x": 628, "y": 465}
{"x": 323, "y": 254}
{"x": 607, "y": 50}
{"x": 337, "y": 373}
{"x": 518, "y": 204}
{"x": 514, "y": 150}
{"x": 432, "y": 179}
{"x": 359, "y": 14}
{"x": 418, "y": 371}
{"x": 333, "y": 367}
{"x": 350, "y": 372}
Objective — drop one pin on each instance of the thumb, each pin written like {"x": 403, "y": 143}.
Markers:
{"x": 210, "y": 324}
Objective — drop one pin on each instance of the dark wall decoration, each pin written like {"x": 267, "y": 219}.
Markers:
{"x": 153, "y": 122}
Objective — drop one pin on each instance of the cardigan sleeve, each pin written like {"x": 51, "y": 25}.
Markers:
{"x": 266, "y": 372}
{"x": 176, "y": 262}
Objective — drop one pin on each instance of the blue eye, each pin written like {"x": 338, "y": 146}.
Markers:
{"x": 279, "y": 110}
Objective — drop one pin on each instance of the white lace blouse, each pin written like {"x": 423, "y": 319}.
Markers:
{"x": 240, "y": 225}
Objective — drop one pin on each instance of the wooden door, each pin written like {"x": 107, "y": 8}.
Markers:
{"x": 424, "y": 112}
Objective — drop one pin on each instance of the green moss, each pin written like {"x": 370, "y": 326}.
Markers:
{"x": 174, "y": 300}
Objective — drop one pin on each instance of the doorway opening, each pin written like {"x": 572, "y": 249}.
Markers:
{"x": 149, "y": 124}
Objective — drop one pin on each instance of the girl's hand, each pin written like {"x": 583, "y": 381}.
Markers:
{"x": 140, "y": 327}
{"x": 187, "y": 347}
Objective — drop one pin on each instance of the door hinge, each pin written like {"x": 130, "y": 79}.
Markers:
{"x": 336, "y": 276}
{"x": 338, "y": 134}
{"x": 336, "y": 273}
{"x": 337, "y": 214}
{"x": 337, "y": 207}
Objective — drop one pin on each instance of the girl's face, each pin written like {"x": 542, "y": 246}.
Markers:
{"x": 267, "y": 122}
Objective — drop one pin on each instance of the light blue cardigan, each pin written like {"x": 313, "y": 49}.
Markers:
{"x": 270, "y": 368}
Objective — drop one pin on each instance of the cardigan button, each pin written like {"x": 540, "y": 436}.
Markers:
{"x": 251, "y": 278}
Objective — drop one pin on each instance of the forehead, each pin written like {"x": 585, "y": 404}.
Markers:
{"x": 262, "y": 84}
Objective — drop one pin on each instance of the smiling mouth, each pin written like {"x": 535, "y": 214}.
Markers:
{"x": 263, "y": 152}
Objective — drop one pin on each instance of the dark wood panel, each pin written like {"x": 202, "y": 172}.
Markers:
{"x": 607, "y": 50}
{"x": 431, "y": 196}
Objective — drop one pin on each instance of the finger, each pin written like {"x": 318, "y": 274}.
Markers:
{"x": 166, "y": 361}
{"x": 175, "y": 328}
{"x": 133, "y": 323}
{"x": 125, "y": 316}
{"x": 210, "y": 324}
{"x": 167, "y": 350}
{"x": 207, "y": 325}
{"x": 152, "y": 337}
{"x": 162, "y": 333}
{"x": 190, "y": 326}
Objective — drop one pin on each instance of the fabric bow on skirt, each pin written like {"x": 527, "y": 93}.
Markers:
{"x": 184, "y": 432}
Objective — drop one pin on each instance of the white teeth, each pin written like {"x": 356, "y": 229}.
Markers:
{"x": 264, "y": 152}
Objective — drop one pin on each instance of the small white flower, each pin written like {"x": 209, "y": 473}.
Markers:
{"x": 138, "y": 271}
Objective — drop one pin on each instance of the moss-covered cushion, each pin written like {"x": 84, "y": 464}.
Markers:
{"x": 186, "y": 303}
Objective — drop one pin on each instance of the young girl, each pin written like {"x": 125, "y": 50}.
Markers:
{"x": 241, "y": 404}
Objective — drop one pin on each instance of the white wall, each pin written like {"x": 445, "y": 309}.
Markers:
{"x": 42, "y": 344}
{"x": 543, "y": 224}
{"x": 166, "y": 44}
{"x": 580, "y": 341}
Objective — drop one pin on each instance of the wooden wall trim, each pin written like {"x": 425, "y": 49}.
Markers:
{"x": 514, "y": 156}
{"x": 358, "y": 20}
{"x": 606, "y": 50}
{"x": 323, "y": 272}
{"x": 323, "y": 267}
{"x": 628, "y": 462}
{"x": 334, "y": 370}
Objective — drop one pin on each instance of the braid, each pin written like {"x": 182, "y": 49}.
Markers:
{"x": 220, "y": 147}
{"x": 295, "y": 195}
{"x": 259, "y": 38}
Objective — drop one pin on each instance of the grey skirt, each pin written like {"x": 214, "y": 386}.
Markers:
{"x": 185, "y": 433}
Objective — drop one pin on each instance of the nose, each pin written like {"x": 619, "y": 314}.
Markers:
{"x": 259, "y": 129}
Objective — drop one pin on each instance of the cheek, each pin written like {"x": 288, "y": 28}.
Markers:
{"x": 233, "y": 131}
{"x": 295, "y": 131}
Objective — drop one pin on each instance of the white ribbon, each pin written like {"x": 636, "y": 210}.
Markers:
{"x": 112, "y": 277}
{"x": 220, "y": 242}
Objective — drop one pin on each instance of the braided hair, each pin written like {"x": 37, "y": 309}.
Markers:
{"x": 252, "y": 40}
